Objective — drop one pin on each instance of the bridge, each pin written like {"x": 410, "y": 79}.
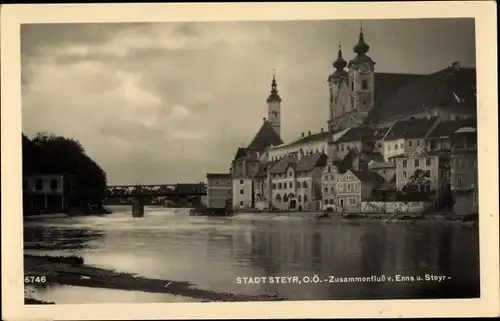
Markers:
{"x": 137, "y": 193}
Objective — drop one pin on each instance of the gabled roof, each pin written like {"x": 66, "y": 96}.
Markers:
{"x": 265, "y": 137}
{"x": 355, "y": 134}
{"x": 308, "y": 162}
{"x": 409, "y": 129}
{"x": 264, "y": 168}
{"x": 369, "y": 177}
{"x": 240, "y": 153}
{"x": 321, "y": 136}
{"x": 448, "y": 87}
{"x": 282, "y": 165}
{"x": 448, "y": 128}
{"x": 386, "y": 83}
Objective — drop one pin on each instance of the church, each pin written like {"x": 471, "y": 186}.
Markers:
{"x": 363, "y": 107}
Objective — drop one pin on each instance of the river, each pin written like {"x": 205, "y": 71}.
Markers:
{"x": 214, "y": 252}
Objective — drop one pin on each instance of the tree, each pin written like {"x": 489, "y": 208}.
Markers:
{"x": 47, "y": 153}
{"x": 417, "y": 188}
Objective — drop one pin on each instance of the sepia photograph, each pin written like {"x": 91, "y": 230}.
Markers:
{"x": 250, "y": 161}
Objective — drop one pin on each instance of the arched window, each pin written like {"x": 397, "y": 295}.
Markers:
{"x": 304, "y": 184}
{"x": 291, "y": 195}
{"x": 299, "y": 198}
{"x": 285, "y": 198}
{"x": 278, "y": 198}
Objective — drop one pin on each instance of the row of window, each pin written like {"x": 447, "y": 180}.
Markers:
{"x": 300, "y": 152}
{"x": 416, "y": 162}
{"x": 290, "y": 185}
{"x": 287, "y": 198}
{"x": 348, "y": 187}
{"x": 53, "y": 184}
{"x": 329, "y": 178}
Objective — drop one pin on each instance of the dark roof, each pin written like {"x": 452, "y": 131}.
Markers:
{"x": 240, "y": 153}
{"x": 310, "y": 138}
{"x": 264, "y": 168}
{"x": 218, "y": 175}
{"x": 282, "y": 165}
{"x": 448, "y": 128}
{"x": 412, "y": 128}
{"x": 438, "y": 89}
{"x": 308, "y": 162}
{"x": 265, "y": 137}
{"x": 386, "y": 83}
{"x": 362, "y": 133}
{"x": 369, "y": 177}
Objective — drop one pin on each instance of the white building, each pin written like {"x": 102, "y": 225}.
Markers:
{"x": 219, "y": 189}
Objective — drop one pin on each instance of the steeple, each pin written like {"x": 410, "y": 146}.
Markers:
{"x": 274, "y": 96}
{"x": 340, "y": 63}
{"x": 361, "y": 47}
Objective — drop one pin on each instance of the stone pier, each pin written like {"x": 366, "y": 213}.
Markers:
{"x": 137, "y": 207}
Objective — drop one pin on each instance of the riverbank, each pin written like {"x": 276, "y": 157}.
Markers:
{"x": 73, "y": 271}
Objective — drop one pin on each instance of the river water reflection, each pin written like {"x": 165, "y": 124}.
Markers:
{"x": 214, "y": 252}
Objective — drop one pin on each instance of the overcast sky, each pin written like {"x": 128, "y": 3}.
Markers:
{"x": 169, "y": 102}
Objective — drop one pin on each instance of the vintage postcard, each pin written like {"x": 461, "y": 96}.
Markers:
{"x": 249, "y": 160}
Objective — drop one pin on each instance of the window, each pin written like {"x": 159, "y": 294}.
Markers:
{"x": 348, "y": 187}
{"x": 280, "y": 185}
{"x": 305, "y": 198}
{"x": 417, "y": 162}
{"x": 241, "y": 181}
{"x": 241, "y": 192}
{"x": 352, "y": 86}
{"x": 304, "y": 184}
{"x": 404, "y": 163}
{"x": 379, "y": 145}
{"x": 332, "y": 189}
{"x": 396, "y": 146}
{"x": 326, "y": 189}
{"x": 329, "y": 168}
{"x": 410, "y": 143}
{"x": 404, "y": 175}
{"x": 427, "y": 173}
{"x": 348, "y": 177}
{"x": 364, "y": 84}
{"x": 290, "y": 185}
{"x": 290, "y": 173}
{"x": 54, "y": 184}
{"x": 299, "y": 198}
{"x": 428, "y": 162}
{"x": 459, "y": 180}
{"x": 418, "y": 142}
{"x": 241, "y": 203}
{"x": 401, "y": 145}
{"x": 274, "y": 185}
{"x": 356, "y": 187}
{"x": 352, "y": 201}
{"x": 38, "y": 184}
{"x": 341, "y": 187}
{"x": 278, "y": 198}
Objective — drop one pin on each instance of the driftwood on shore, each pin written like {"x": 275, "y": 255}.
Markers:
{"x": 73, "y": 271}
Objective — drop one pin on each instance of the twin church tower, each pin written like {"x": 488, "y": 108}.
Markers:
{"x": 351, "y": 91}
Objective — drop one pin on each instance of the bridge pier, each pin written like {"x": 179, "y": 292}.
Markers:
{"x": 137, "y": 207}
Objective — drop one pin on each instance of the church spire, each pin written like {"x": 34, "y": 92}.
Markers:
{"x": 361, "y": 47}
{"x": 340, "y": 63}
{"x": 274, "y": 96}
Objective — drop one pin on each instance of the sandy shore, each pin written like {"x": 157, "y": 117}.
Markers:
{"x": 73, "y": 271}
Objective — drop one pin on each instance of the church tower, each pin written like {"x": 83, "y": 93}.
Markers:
{"x": 361, "y": 77}
{"x": 338, "y": 86}
{"x": 274, "y": 107}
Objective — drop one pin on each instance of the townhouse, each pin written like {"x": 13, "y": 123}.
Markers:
{"x": 355, "y": 187}
{"x": 329, "y": 180}
{"x": 219, "y": 189}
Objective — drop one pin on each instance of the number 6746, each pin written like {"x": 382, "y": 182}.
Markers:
{"x": 35, "y": 279}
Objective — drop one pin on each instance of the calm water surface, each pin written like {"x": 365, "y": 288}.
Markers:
{"x": 213, "y": 252}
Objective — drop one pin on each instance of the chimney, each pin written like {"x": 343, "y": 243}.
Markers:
{"x": 321, "y": 129}
{"x": 309, "y": 133}
{"x": 263, "y": 119}
{"x": 302, "y": 134}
